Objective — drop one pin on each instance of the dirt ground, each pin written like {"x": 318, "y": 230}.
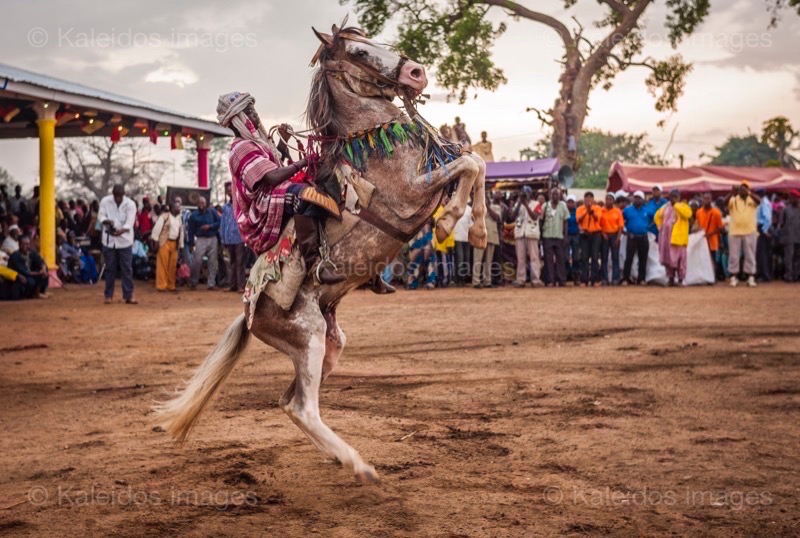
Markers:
{"x": 486, "y": 412}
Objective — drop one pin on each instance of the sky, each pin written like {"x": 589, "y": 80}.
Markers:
{"x": 183, "y": 55}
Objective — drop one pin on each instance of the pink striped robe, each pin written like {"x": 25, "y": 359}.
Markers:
{"x": 258, "y": 208}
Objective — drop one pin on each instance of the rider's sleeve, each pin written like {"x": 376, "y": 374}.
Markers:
{"x": 250, "y": 162}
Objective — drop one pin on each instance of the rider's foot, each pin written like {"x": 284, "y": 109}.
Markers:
{"x": 307, "y": 230}
{"x": 380, "y": 287}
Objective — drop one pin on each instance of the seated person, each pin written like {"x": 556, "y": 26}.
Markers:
{"x": 11, "y": 243}
{"x": 70, "y": 253}
{"x": 31, "y": 270}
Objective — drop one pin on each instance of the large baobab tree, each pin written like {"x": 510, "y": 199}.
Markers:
{"x": 456, "y": 36}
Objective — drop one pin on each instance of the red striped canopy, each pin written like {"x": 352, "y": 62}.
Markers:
{"x": 696, "y": 179}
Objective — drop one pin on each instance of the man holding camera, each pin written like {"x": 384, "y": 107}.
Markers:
{"x": 117, "y": 215}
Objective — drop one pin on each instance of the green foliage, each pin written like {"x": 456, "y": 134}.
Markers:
{"x": 776, "y": 6}
{"x": 684, "y": 17}
{"x": 744, "y": 151}
{"x": 666, "y": 82}
{"x": 455, "y": 36}
{"x": 599, "y": 149}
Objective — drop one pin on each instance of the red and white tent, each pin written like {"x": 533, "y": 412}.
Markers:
{"x": 696, "y": 179}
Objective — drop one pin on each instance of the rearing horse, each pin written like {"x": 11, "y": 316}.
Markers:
{"x": 352, "y": 92}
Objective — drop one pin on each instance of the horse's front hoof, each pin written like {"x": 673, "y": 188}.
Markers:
{"x": 367, "y": 475}
{"x": 477, "y": 239}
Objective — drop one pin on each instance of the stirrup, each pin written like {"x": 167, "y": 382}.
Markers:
{"x": 320, "y": 265}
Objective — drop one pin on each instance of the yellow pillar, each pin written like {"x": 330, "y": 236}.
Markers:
{"x": 47, "y": 181}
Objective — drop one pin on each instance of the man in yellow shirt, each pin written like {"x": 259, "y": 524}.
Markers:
{"x": 743, "y": 234}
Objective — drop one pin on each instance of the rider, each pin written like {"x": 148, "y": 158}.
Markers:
{"x": 263, "y": 190}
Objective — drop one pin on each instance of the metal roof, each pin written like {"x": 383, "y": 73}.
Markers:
{"x": 23, "y": 84}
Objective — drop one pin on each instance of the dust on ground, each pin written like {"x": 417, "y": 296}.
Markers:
{"x": 486, "y": 412}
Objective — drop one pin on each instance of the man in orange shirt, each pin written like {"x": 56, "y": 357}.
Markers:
{"x": 611, "y": 224}
{"x": 588, "y": 217}
{"x": 709, "y": 218}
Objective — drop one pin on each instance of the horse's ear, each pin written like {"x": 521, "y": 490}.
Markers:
{"x": 334, "y": 29}
{"x": 326, "y": 39}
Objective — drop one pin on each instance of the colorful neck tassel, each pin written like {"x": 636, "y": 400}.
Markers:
{"x": 381, "y": 142}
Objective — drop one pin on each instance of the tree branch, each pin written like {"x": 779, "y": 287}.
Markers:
{"x": 616, "y": 6}
{"x": 525, "y": 13}
{"x": 542, "y": 115}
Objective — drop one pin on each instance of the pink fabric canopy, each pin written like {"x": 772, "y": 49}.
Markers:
{"x": 695, "y": 179}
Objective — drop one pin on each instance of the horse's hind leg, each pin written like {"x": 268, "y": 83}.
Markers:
{"x": 301, "y": 334}
{"x": 334, "y": 343}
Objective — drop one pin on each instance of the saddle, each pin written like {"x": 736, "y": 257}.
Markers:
{"x": 322, "y": 200}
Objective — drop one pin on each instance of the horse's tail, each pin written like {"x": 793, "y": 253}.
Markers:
{"x": 180, "y": 414}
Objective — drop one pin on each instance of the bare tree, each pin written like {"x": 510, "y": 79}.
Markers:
{"x": 91, "y": 166}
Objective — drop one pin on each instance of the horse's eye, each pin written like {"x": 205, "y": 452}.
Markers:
{"x": 361, "y": 53}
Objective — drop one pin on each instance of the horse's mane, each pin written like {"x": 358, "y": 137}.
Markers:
{"x": 320, "y": 113}
{"x": 322, "y": 116}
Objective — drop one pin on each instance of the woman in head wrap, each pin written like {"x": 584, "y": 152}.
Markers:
{"x": 672, "y": 221}
{"x": 263, "y": 191}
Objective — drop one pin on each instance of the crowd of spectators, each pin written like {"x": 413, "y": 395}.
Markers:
{"x": 167, "y": 242}
{"x": 540, "y": 239}
{"x": 549, "y": 239}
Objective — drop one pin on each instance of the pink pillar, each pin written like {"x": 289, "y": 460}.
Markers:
{"x": 203, "y": 145}
{"x": 202, "y": 168}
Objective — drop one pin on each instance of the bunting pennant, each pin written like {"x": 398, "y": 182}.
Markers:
{"x": 151, "y": 126}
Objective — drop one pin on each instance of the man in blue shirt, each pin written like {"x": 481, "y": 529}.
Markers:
{"x": 655, "y": 203}
{"x": 764, "y": 241}
{"x": 573, "y": 254}
{"x": 637, "y": 220}
{"x": 232, "y": 241}
{"x": 203, "y": 229}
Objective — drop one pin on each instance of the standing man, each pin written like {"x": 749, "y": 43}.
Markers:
{"x": 232, "y": 241}
{"x": 655, "y": 203}
{"x": 462, "y": 247}
{"x": 588, "y": 216}
{"x": 484, "y": 148}
{"x": 460, "y": 132}
{"x": 743, "y": 235}
{"x": 611, "y": 224}
{"x": 482, "y": 258}
{"x": 203, "y": 228}
{"x": 709, "y": 218}
{"x": 637, "y": 219}
{"x": 554, "y": 232}
{"x": 573, "y": 241}
{"x": 169, "y": 235}
{"x": 790, "y": 237}
{"x": 144, "y": 220}
{"x": 764, "y": 241}
{"x": 527, "y": 213}
{"x": 117, "y": 214}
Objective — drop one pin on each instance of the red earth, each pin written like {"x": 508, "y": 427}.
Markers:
{"x": 614, "y": 411}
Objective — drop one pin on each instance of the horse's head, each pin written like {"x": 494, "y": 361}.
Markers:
{"x": 371, "y": 69}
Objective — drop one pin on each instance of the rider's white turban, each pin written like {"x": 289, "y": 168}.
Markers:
{"x": 230, "y": 113}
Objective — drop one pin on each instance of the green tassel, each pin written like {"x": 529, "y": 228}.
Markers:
{"x": 349, "y": 152}
{"x": 387, "y": 145}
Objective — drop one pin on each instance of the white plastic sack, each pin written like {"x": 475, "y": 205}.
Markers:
{"x": 656, "y": 273}
{"x": 699, "y": 266}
